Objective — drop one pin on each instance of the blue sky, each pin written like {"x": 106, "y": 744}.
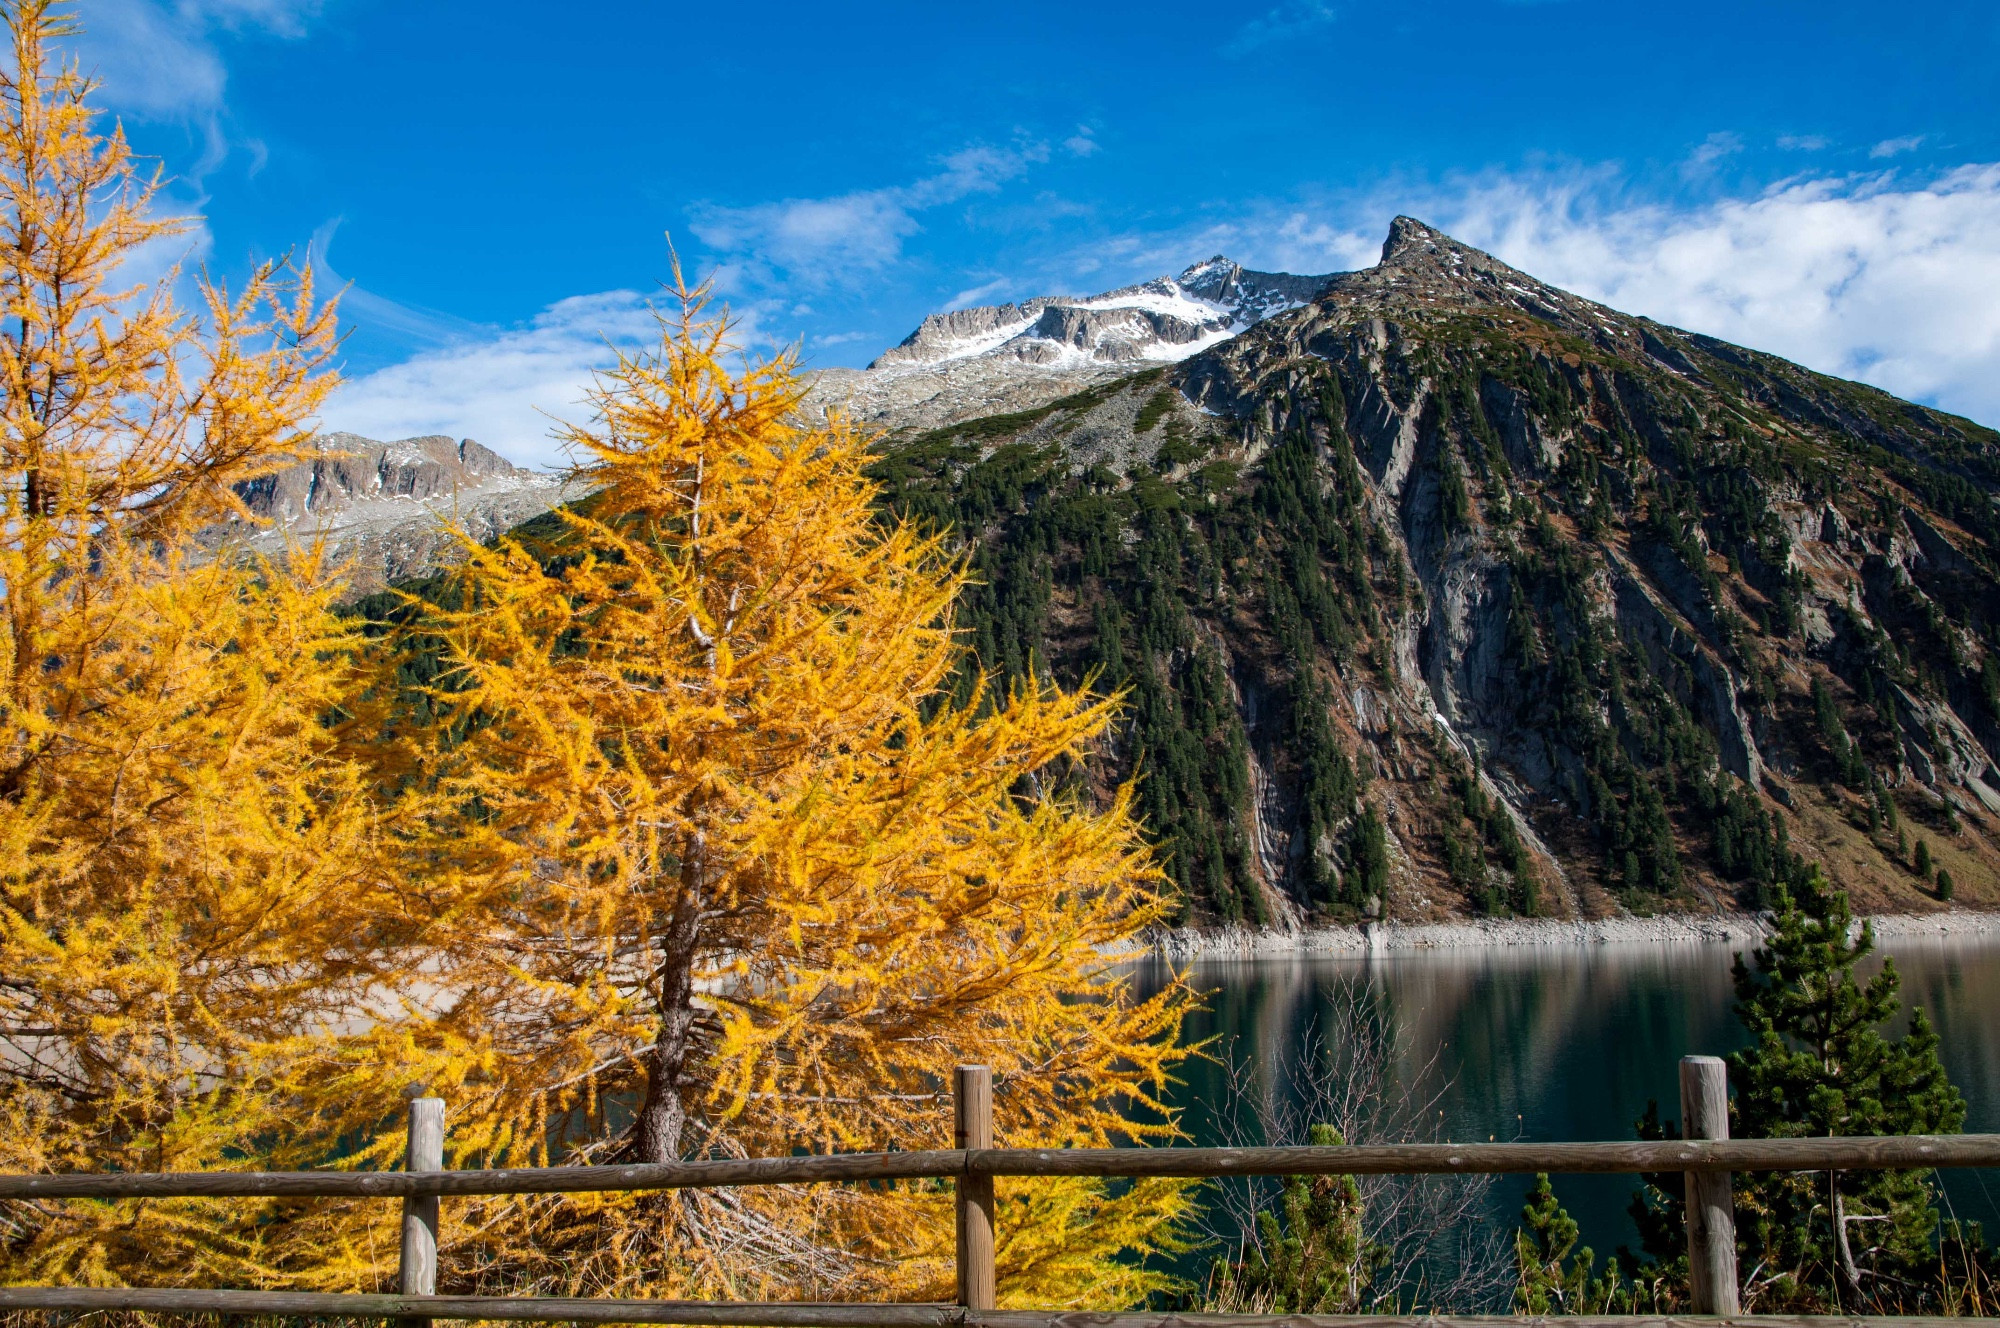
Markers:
{"x": 495, "y": 181}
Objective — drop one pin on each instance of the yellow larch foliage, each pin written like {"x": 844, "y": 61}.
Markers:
{"x": 727, "y": 875}
{"x": 179, "y": 837}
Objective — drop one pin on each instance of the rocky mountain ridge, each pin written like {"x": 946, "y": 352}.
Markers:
{"x": 1454, "y": 592}
{"x": 1007, "y": 357}
{"x": 1164, "y": 319}
{"x": 385, "y": 506}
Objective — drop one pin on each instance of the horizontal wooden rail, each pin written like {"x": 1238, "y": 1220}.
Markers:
{"x": 1058, "y": 1319}
{"x": 519, "y": 1180}
{"x": 738, "y": 1314}
{"x": 1885, "y": 1153}
{"x": 1888, "y": 1152}
{"x": 730, "y": 1314}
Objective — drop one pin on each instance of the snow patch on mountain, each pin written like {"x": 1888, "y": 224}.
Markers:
{"x": 1159, "y": 321}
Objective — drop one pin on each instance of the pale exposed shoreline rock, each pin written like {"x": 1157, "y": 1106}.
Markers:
{"x": 1184, "y": 944}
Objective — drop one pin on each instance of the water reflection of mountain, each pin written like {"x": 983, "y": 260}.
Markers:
{"x": 1563, "y": 1042}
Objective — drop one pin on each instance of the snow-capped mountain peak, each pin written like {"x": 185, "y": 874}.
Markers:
{"x": 1162, "y": 320}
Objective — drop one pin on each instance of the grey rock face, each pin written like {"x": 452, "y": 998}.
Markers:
{"x": 360, "y": 470}
{"x": 1654, "y": 405}
{"x": 387, "y": 509}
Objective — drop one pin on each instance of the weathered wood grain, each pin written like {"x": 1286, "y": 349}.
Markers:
{"x": 972, "y": 1131}
{"x": 416, "y": 1264}
{"x": 1898, "y": 1152}
{"x": 1711, "y": 1214}
{"x": 1894, "y": 1152}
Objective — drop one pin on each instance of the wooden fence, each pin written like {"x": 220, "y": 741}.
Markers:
{"x": 1708, "y": 1157}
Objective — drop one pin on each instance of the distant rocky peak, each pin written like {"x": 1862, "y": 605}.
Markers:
{"x": 388, "y": 510}
{"x": 1211, "y": 280}
{"x": 1411, "y": 241}
{"x": 1162, "y": 320}
{"x": 1421, "y": 263}
{"x": 350, "y": 469}
{"x": 1416, "y": 250}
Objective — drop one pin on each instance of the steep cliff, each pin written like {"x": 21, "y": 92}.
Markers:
{"x": 1449, "y": 591}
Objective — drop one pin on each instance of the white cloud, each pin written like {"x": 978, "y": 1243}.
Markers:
{"x": 148, "y": 61}
{"x": 286, "y": 18}
{"x": 1803, "y": 142}
{"x": 980, "y": 294}
{"x": 408, "y": 324}
{"x": 861, "y": 230}
{"x": 1083, "y": 142}
{"x": 1890, "y": 147}
{"x": 158, "y": 60}
{"x": 1295, "y": 18}
{"x": 816, "y": 242}
{"x": 1701, "y": 163}
{"x": 503, "y": 387}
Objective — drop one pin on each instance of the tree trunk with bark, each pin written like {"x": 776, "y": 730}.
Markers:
{"x": 663, "y": 1115}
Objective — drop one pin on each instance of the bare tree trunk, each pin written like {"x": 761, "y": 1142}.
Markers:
{"x": 1850, "y": 1274}
{"x": 664, "y": 1114}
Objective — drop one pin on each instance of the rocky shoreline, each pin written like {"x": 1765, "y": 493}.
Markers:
{"x": 1190, "y": 943}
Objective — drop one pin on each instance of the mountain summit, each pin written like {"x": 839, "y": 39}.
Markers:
{"x": 1448, "y": 591}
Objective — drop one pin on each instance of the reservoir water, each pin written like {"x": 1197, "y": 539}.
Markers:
{"x": 1533, "y": 1043}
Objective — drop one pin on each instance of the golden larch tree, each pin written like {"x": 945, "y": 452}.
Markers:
{"x": 180, "y": 838}
{"x": 728, "y": 875}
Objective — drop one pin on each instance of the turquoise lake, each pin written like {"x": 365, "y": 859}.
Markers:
{"x": 1536, "y": 1043}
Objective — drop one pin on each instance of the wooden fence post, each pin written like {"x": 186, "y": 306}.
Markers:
{"x": 1711, "y": 1216}
{"x": 416, "y": 1270}
{"x": 972, "y": 1127}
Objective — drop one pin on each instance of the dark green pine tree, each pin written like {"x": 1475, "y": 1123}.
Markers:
{"x": 1821, "y": 1065}
{"x": 1554, "y": 1277}
{"x": 1312, "y": 1256}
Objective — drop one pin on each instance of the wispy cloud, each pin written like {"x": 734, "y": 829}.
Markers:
{"x": 1083, "y": 143}
{"x": 159, "y": 60}
{"x": 1891, "y": 147}
{"x": 982, "y": 293}
{"x": 1295, "y": 18}
{"x": 409, "y": 325}
{"x": 1872, "y": 278}
{"x": 505, "y": 387}
{"x": 1803, "y": 142}
{"x": 813, "y": 242}
{"x": 1717, "y": 147}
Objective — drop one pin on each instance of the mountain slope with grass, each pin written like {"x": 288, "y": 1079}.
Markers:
{"x": 1449, "y": 592}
